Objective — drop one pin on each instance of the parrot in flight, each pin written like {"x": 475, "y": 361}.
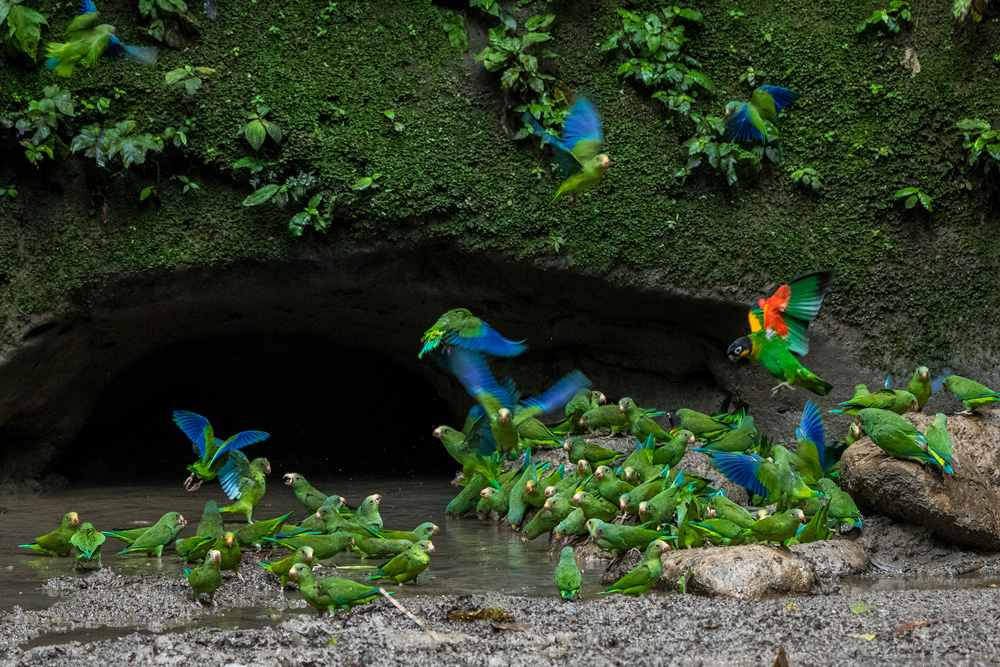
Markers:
{"x": 459, "y": 328}
{"x": 214, "y": 452}
{"x": 86, "y": 42}
{"x": 778, "y": 330}
{"x": 578, "y": 153}
{"x": 757, "y": 120}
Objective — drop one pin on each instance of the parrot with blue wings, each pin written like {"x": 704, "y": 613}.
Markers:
{"x": 214, "y": 452}
{"x": 459, "y": 328}
{"x": 779, "y": 330}
{"x": 578, "y": 152}
{"x": 757, "y": 120}
{"x": 87, "y": 42}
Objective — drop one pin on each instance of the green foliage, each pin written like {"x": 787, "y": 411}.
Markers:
{"x": 509, "y": 55}
{"x": 309, "y": 216}
{"x": 493, "y": 8}
{"x": 188, "y": 183}
{"x": 189, "y": 77}
{"x": 157, "y": 10}
{"x": 557, "y": 242}
{"x": 23, "y": 26}
{"x": 147, "y": 192}
{"x": 176, "y": 136}
{"x": 913, "y": 195}
{"x": 391, "y": 115}
{"x": 979, "y": 139}
{"x": 963, "y": 8}
{"x": 103, "y": 144}
{"x": 253, "y": 163}
{"x": 366, "y": 182}
{"x": 259, "y": 128}
{"x": 722, "y": 156}
{"x": 655, "y": 46}
{"x": 8, "y": 192}
{"x": 807, "y": 177}
{"x": 454, "y": 25}
{"x": 897, "y": 11}
{"x": 41, "y": 119}
{"x": 294, "y": 187}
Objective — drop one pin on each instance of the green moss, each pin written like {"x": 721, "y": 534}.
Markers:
{"x": 452, "y": 174}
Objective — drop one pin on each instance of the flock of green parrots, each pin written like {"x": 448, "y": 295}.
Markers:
{"x": 642, "y": 500}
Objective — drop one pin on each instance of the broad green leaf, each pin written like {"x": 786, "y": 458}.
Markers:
{"x": 314, "y": 202}
{"x": 192, "y": 85}
{"x": 858, "y": 607}
{"x": 145, "y": 193}
{"x": 906, "y": 191}
{"x": 362, "y": 183}
{"x": 538, "y": 22}
{"x": 255, "y": 134}
{"x": 910, "y": 201}
{"x": 534, "y": 38}
{"x": 273, "y": 131}
{"x": 262, "y": 195}
{"x": 26, "y": 28}
{"x": 175, "y": 76}
{"x": 926, "y": 200}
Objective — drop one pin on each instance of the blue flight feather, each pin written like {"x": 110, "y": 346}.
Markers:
{"x": 87, "y": 7}
{"x": 782, "y": 96}
{"x": 741, "y": 469}
{"x": 556, "y": 397}
{"x": 582, "y": 124}
{"x": 244, "y": 438}
{"x": 193, "y": 426}
{"x": 811, "y": 428}
{"x": 938, "y": 383}
{"x": 474, "y": 374}
{"x": 888, "y": 382}
{"x": 228, "y": 480}
{"x": 740, "y": 128}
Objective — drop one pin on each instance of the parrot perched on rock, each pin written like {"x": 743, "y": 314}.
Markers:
{"x": 723, "y": 508}
{"x": 895, "y": 436}
{"x": 644, "y": 575}
{"x": 206, "y": 578}
{"x": 778, "y": 527}
{"x": 721, "y": 531}
{"x": 778, "y": 331}
{"x": 158, "y": 535}
{"x": 87, "y": 542}
{"x": 57, "y": 543}
{"x": 604, "y": 416}
{"x": 640, "y": 423}
{"x": 595, "y": 507}
{"x": 332, "y": 592}
{"x": 619, "y": 539}
{"x": 671, "y": 452}
{"x": 939, "y": 440}
{"x": 246, "y": 481}
{"x": 841, "y": 505}
{"x": 568, "y": 578}
{"x": 757, "y": 120}
{"x": 460, "y": 329}
{"x": 972, "y": 394}
{"x": 213, "y": 451}
{"x": 578, "y": 152}
{"x": 210, "y": 528}
{"x": 281, "y": 568}
{"x": 86, "y": 42}
{"x": 893, "y": 400}
{"x": 920, "y": 386}
{"x": 407, "y": 565}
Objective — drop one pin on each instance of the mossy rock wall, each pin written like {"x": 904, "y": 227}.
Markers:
{"x": 914, "y": 285}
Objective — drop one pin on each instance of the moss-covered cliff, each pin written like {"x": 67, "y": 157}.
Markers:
{"x": 914, "y": 281}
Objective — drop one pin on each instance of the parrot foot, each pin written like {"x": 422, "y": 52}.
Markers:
{"x": 191, "y": 485}
{"x": 775, "y": 391}
{"x": 239, "y": 576}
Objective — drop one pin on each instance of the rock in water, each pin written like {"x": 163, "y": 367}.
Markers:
{"x": 962, "y": 508}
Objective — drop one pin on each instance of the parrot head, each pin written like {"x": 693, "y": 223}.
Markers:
{"x": 429, "y": 546}
{"x": 740, "y": 348}
{"x": 855, "y": 430}
{"x": 73, "y": 518}
{"x": 215, "y": 556}
{"x": 308, "y": 553}
{"x": 802, "y": 516}
{"x": 487, "y": 492}
{"x": 601, "y": 472}
{"x": 643, "y": 507}
{"x": 549, "y": 491}
{"x": 438, "y": 432}
{"x": 924, "y": 373}
{"x": 579, "y": 497}
{"x": 914, "y": 406}
{"x": 293, "y": 571}
{"x": 623, "y": 501}
{"x": 376, "y": 497}
{"x": 503, "y": 415}
{"x": 290, "y": 477}
{"x": 229, "y": 540}
{"x": 318, "y": 515}
{"x": 629, "y": 474}
{"x": 731, "y": 108}
{"x": 605, "y": 160}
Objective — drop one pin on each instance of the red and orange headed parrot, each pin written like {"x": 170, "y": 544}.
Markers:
{"x": 778, "y": 331}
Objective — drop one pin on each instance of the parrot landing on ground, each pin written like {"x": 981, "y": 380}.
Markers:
{"x": 246, "y": 481}
{"x": 86, "y": 42}
{"x": 778, "y": 331}
{"x": 578, "y": 152}
{"x": 213, "y": 451}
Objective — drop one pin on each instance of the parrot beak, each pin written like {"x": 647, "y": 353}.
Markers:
{"x": 550, "y": 491}
{"x": 293, "y": 573}
{"x": 547, "y": 505}
{"x": 711, "y": 512}
{"x": 229, "y": 540}
{"x": 642, "y": 508}
{"x": 318, "y": 515}
{"x": 485, "y": 492}
{"x": 75, "y": 518}
{"x": 437, "y": 433}
{"x": 621, "y": 408}
{"x": 377, "y": 498}
{"x": 666, "y": 547}
{"x": 925, "y": 375}
{"x": 434, "y": 530}
{"x": 352, "y": 541}
{"x": 914, "y": 406}
{"x": 267, "y": 470}
{"x": 430, "y": 548}
{"x": 566, "y": 446}
{"x": 622, "y": 503}
{"x": 605, "y": 162}
{"x": 182, "y": 520}
{"x": 602, "y": 400}
{"x": 529, "y": 485}
{"x": 578, "y": 497}
{"x": 289, "y": 476}
{"x": 729, "y": 112}
{"x": 692, "y": 440}
{"x": 802, "y": 517}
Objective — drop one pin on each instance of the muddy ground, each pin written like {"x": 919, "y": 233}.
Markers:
{"x": 931, "y": 617}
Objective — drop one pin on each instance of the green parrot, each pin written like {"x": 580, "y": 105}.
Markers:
{"x": 738, "y": 439}
{"x": 939, "y": 440}
{"x": 86, "y": 42}
{"x": 331, "y": 593}
{"x": 207, "y": 577}
{"x": 577, "y": 448}
{"x": 629, "y": 502}
{"x": 777, "y": 527}
{"x": 424, "y": 531}
{"x": 517, "y": 499}
{"x": 88, "y": 545}
{"x": 721, "y": 531}
{"x": 574, "y": 524}
{"x": 660, "y": 508}
{"x": 757, "y": 120}
{"x": 370, "y": 546}
{"x": 578, "y": 153}
{"x": 619, "y": 539}
{"x": 671, "y": 452}
{"x": 853, "y": 434}
{"x": 459, "y": 328}
{"x": 595, "y": 507}
{"x": 468, "y": 449}
{"x": 644, "y": 575}
{"x": 703, "y": 426}
{"x": 213, "y": 451}
{"x": 920, "y": 386}
{"x": 324, "y": 546}
{"x": 407, "y": 565}
{"x": 972, "y": 394}
{"x": 640, "y": 423}
{"x": 281, "y": 568}
{"x": 229, "y": 550}
{"x": 57, "y": 543}
{"x": 604, "y": 417}
{"x": 816, "y": 529}
{"x": 895, "y": 436}
{"x": 254, "y": 534}
{"x": 610, "y": 487}
{"x": 307, "y": 494}
{"x": 773, "y": 479}
{"x": 249, "y": 479}
{"x": 779, "y": 330}
{"x": 568, "y": 578}
{"x": 719, "y": 506}
{"x": 534, "y": 492}
{"x": 841, "y": 505}
{"x": 158, "y": 535}
{"x": 583, "y": 401}
{"x": 194, "y": 549}
{"x": 367, "y": 516}
{"x": 892, "y": 400}
{"x": 547, "y": 518}
{"x": 463, "y": 502}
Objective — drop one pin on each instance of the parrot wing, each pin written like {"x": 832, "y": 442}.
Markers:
{"x": 239, "y": 441}
{"x": 236, "y": 477}
{"x": 804, "y": 300}
{"x": 740, "y": 127}
{"x": 196, "y": 428}
{"x": 743, "y": 469}
{"x": 782, "y": 97}
{"x": 811, "y": 428}
{"x": 583, "y": 125}
{"x": 475, "y": 375}
{"x": 555, "y": 398}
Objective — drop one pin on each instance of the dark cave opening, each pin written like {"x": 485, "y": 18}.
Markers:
{"x": 330, "y": 411}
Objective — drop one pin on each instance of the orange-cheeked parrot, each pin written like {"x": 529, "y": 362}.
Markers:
{"x": 578, "y": 152}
